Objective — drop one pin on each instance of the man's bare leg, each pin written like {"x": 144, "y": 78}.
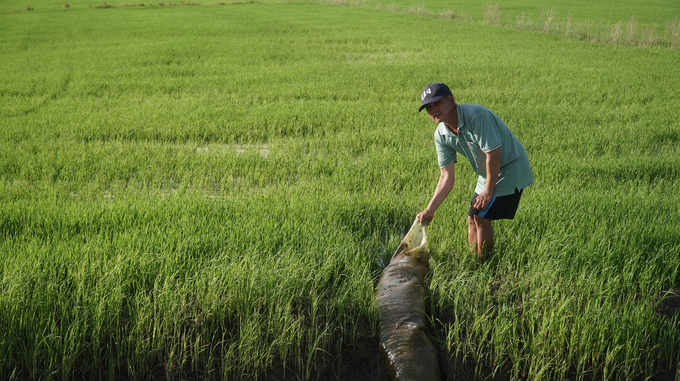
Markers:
{"x": 472, "y": 235}
{"x": 480, "y": 235}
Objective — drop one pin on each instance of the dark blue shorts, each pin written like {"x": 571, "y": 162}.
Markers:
{"x": 503, "y": 207}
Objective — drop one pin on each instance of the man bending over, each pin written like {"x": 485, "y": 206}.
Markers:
{"x": 494, "y": 153}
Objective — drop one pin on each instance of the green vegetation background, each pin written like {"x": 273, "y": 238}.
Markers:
{"x": 209, "y": 190}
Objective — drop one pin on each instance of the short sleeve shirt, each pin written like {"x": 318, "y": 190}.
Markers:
{"x": 481, "y": 131}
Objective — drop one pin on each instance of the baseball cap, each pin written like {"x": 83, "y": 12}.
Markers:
{"x": 433, "y": 93}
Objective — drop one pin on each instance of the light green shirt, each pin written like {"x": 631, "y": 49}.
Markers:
{"x": 481, "y": 131}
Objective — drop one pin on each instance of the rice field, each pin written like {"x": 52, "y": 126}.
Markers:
{"x": 210, "y": 191}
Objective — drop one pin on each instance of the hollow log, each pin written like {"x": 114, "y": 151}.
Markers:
{"x": 400, "y": 296}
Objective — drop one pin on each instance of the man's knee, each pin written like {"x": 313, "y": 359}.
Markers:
{"x": 479, "y": 222}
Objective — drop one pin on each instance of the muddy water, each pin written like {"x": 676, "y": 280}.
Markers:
{"x": 400, "y": 296}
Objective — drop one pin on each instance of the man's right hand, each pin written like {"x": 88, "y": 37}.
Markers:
{"x": 425, "y": 217}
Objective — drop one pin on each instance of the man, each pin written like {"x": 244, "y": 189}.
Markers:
{"x": 494, "y": 153}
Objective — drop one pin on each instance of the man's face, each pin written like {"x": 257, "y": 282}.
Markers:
{"x": 440, "y": 110}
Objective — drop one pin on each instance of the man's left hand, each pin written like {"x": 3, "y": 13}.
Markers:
{"x": 482, "y": 200}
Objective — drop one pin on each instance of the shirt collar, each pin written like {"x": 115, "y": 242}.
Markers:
{"x": 459, "y": 113}
{"x": 445, "y": 130}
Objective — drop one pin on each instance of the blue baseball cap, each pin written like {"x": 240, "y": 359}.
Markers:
{"x": 433, "y": 93}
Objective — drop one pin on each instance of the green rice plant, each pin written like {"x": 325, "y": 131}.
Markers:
{"x": 207, "y": 192}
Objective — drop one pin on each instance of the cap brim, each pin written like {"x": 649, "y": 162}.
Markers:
{"x": 431, "y": 100}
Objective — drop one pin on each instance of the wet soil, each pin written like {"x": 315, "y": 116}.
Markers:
{"x": 670, "y": 304}
{"x": 360, "y": 362}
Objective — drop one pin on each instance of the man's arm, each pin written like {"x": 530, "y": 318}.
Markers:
{"x": 493, "y": 170}
{"x": 444, "y": 186}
